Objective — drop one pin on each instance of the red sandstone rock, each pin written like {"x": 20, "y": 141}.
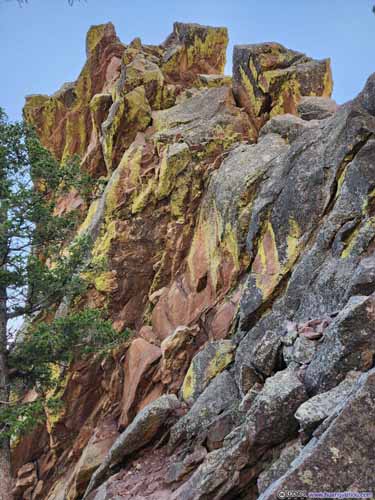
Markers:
{"x": 26, "y": 481}
{"x": 139, "y": 366}
{"x": 147, "y": 333}
{"x": 222, "y": 321}
{"x": 63, "y": 120}
{"x": 177, "y": 352}
{"x": 92, "y": 456}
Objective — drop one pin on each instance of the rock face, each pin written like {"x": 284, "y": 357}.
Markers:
{"x": 269, "y": 79}
{"x": 334, "y": 457}
{"x": 139, "y": 433}
{"x": 236, "y": 236}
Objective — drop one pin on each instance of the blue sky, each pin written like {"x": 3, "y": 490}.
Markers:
{"x": 42, "y": 45}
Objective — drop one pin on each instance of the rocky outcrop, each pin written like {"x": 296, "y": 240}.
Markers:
{"x": 139, "y": 433}
{"x": 235, "y": 236}
{"x": 63, "y": 120}
{"x": 139, "y": 367}
{"x": 334, "y": 457}
{"x": 269, "y": 80}
{"x": 208, "y": 363}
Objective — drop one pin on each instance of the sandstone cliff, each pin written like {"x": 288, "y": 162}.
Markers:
{"x": 237, "y": 231}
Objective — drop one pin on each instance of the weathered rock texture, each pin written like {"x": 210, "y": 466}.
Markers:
{"x": 270, "y": 80}
{"x": 236, "y": 239}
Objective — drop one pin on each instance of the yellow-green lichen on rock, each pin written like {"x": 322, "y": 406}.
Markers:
{"x": 193, "y": 49}
{"x": 141, "y": 199}
{"x": 106, "y": 281}
{"x": 267, "y": 266}
{"x": 287, "y": 98}
{"x": 183, "y": 186}
{"x": 103, "y": 279}
{"x": 211, "y": 81}
{"x": 123, "y": 180}
{"x": 63, "y": 120}
{"x": 142, "y": 70}
{"x": 99, "y": 107}
{"x": 269, "y": 80}
{"x": 175, "y": 159}
{"x": 205, "y": 255}
{"x": 255, "y": 102}
{"x": 43, "y": 113}
{"x": 75, "y": 136}
{"x": 126, "y": 118}
{"x": 205, "y": 366}
{"x": 293, "y": 242}
{"x": 103, "y": 243}
{"x": 55, "y": 414}
{"x": 205, "y": 48}
{"x": 86, "y": 224}
{"x": 361, "y": 233}
{"x": 96, "y": 34}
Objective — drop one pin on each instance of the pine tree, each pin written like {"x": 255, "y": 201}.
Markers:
{"x": 40, "y": 264}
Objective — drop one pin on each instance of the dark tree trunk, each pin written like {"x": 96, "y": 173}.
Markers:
{"x": 5, "y": 468}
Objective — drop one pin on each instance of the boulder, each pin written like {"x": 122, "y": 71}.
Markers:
{"x": 208, "y": 363}
{"x": 342, "y": 351}
{"x": 177, "y": 351}
{"x": 302, "y": 351}
{"x": 206, "y": 120}
{"x": 290, "y": 127}
{"x": 139, "y": 367}
{"x": 316, "y": 108}
{"x": 140, "y": 68}
{"x": 314, "y": 411}
{"x": 269, "y": 421}
{"x": 334, "y": 460}
{"x": 141, "y": 431}
{"x": 257, "y": 358}
{"x": 269, "y": 80}
{"x": 192, "y": 49}
{"x": 219, "y": 396}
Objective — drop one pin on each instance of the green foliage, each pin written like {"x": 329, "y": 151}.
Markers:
{"x": 40, "y": 359}
{"x": 36, "y": 268}
{"x": 76, "y": 335}
{"x": 17, "y": 420}
{"x": 42, "y": 263}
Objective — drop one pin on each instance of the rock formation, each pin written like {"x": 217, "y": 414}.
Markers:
{"x": 236, "y": 229}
